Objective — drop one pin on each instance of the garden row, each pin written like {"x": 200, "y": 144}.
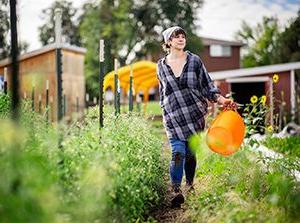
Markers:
{"x": 288, "y": 146}
{"x": 244, "y": 187}
{"x": 112, "y": 175}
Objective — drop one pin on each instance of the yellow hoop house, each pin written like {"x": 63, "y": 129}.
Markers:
{"x": 144, "y": 78}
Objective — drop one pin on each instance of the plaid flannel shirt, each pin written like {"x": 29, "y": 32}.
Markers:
{"x": 184, "y": 99}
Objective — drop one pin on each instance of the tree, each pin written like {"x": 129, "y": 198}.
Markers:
{"x": 70, "y": 32}
{"x": 288, "y": 50}
{"x": 4, "y": 29}
{"x": 132, "y": 29}
{"x": 288, "y": 46}
{"x": 261, "y": 41}
{"x": 5, "y": 32}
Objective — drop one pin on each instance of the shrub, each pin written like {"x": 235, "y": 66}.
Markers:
{"x": 112, "y": 175}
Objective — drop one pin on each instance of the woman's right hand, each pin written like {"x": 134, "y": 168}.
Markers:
{"x": 227, "y": 103}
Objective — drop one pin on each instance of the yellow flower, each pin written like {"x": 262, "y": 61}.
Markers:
{"x": 263, "y": 99}
{"x": 270, "y": 128}
{"x": 253, "y": 99}
{"x": 275, "y": 78}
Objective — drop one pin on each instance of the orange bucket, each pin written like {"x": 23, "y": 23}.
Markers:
{"x": 226, "y": 133}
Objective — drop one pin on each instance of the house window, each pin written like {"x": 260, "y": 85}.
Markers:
{"x": 219, "y": 51}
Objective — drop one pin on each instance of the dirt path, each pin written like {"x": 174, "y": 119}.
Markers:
{"x": 166, "y": 214}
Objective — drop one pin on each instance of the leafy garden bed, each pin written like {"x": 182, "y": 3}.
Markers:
{"x": 118, "y": 174}
{"x": 241, "y": 188}
{"x": 115, "y": 175}
{"x": 288, "y": 146}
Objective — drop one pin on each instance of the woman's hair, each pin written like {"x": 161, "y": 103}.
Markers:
{"x": 165, "y": 46}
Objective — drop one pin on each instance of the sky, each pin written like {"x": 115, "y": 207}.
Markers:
{"x": 219, "y": 19}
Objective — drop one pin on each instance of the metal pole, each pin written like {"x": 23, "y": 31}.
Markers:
{"x": 58, "y": 15}
{"x": 47, "y": 101}
{"x": 130, "y": 89}
{"x": 40, "y": 103}
{"x": 101, "y": 77}
{"x": 5, "y": 80}
{"x": 59, "y": 84}
{"x": 58, "y": 51}
{"x": 51, "y": 108}
{"x": 32, "y": 97}
{"x": 14, "y": 57}
{"x": 119, "y": 97}
{"x": 116, "y": 84}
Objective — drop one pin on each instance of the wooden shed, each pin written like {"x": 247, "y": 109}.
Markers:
{"x": 38, "y": 67}
{"x": 258, "y": 81}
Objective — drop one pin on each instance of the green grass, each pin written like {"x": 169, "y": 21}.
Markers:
{"x": 288, "y": 146}
{"x": 152, "y": 108}
{"x": 238, "y": 188}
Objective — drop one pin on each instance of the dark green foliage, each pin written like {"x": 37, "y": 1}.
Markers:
{"x": 268, "y": 45}
{"x": 4, "y": 32}
{"x": 242, "y": 188}
{"x": 287, "y": 146}
{"x": 132, "y": 29}
{"x": 288, "y": 45}
{"x": 261, "y": 41}
{"x": 115, "y": 175}
{"x": 4, "y": 105}
{"x": 4, "y": 28}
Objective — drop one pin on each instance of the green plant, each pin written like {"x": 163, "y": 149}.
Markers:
{"x": 241, "y": 188}
{"x": 255, "y": 115}
{"x": 113, "y": 175}
{"x": 4, "y": 105}
{"x": 288, "y": 146}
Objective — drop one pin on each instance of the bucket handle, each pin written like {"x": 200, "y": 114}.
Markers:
{"x": 230, "y": 109}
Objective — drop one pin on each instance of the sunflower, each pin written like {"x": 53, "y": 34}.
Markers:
{"x": 270, "y": 128}
{"x": 254, "y": 99}
{"x": 275, "y": 78}
{"x": 263, "y": 99}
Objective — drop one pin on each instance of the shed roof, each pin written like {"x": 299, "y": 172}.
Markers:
{"x": 244, "y": 72}
{"x": 42, "y": 50}
{"x": 212, "y": 41}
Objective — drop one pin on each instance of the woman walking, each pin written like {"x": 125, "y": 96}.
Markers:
{"x": 184, "y": 87}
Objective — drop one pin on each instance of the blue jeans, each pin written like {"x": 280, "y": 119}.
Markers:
{"x": 182, "y": 158}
